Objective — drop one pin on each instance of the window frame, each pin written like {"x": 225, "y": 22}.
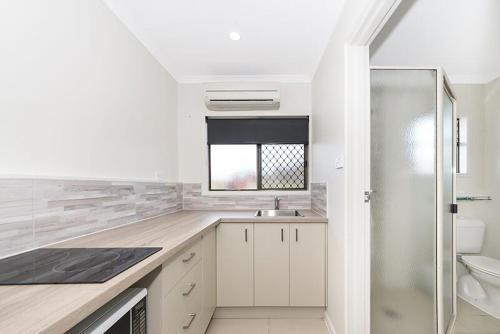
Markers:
{"x": 259, "y": 171}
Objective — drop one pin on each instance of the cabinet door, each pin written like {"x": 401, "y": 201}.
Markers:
{"x": 272, "y": 264}
{"x": 235, "y": 264}
{"x": 209, "y": 280}
{"x": 307, "y": 264}
{"x": 183, "y": 304}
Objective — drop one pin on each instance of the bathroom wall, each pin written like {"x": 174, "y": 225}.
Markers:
{"x": 480, "y": 104}
{"x": 492, "y": 167}
{"x": 80, "y": 96}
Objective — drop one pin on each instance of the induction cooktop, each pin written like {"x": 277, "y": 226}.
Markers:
{"x": 70, "y": 265}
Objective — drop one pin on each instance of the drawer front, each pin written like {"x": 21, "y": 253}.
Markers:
{"x": 176, "y": 268}
{"x": 183, "y": 304}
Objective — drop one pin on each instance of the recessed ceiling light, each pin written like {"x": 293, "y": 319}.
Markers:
{"x": 234, "y": 36}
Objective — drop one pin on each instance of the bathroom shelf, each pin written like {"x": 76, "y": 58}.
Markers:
{"x": 474, "y": 198}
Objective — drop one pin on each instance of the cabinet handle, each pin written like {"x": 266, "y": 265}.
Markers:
{"x": 192, "y": 316}
{"x": 296, "y": 235}
{"x": 246, "y": 235}
{"x": 189, "y": 258}
{"x": 191, "y": 288}
{"x": 282, "y": 235}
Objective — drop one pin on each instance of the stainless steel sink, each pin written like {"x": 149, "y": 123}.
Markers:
{"x": 278, "y": 213}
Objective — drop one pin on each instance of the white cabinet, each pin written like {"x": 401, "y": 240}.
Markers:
{"x": 209, "y": 275}
{"x": 182, "y": 293}
{"x": 235, "y": 265}
{"x": 271, "y": 264}
{"x": 183, "y": 304}
{"x": 307, "y": 264}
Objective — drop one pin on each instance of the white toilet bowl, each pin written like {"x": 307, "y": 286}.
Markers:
{"x": 481, "y": 287}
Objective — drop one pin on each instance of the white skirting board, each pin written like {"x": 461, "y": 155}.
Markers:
{"x": 269, "y": 312}
{"x": 329, "y": 324}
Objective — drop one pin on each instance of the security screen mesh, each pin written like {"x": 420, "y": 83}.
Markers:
{"x": 283, "y": 166}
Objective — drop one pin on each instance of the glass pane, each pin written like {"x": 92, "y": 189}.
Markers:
{"x": 462, "y": 145}
{"x": 463, "y": 130}
{"x": 448, "y": 259}
{"x": 463, "y": 159}
{"x": 403, "y": 141}
{"x": 283, "y": 166}
{"x": 233, "y": 167}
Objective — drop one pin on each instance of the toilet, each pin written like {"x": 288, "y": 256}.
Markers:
{"x": 480, "y": 285}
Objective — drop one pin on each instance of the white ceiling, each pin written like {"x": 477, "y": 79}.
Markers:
{"x": 281, "y": 40}
{"x": 462, "y": 36}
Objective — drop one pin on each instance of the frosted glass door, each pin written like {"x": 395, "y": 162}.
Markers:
{"x": 403, "y": 178}
{"x": 447, "y": 228}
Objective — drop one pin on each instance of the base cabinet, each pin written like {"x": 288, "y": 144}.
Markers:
{"x": 271, "y": 264}
{"x": 307, "y": 264}
{"x": 209, "y": 278}
{"x": 235, "y": 264}
{"x": 182, "y": 293}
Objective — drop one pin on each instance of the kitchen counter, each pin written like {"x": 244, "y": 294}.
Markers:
{"x": 57, "y": 308}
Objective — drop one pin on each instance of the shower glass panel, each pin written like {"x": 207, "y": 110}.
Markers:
{"x": 448, "y": 258}
{"x": 403, "y": 211}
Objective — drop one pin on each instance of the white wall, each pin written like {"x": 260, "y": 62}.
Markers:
{"x": 492, "y": 167}
{"x": 193, "y": 167}
{"x": 480, "y": 104}
{"x": 80, "y": 96}
{"x": 328, "y": 112}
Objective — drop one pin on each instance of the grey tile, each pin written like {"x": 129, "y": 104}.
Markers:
{"x": 193, "y": 199}
{"x": 34, "y": 213}
{"x": 16, "y": 216}
{"x": 319, "y": 198}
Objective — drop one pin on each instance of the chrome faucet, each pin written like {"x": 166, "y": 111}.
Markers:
{"x": 276, "y": 203}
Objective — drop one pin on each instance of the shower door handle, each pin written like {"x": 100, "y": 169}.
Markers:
{"x": 453, "y": 208}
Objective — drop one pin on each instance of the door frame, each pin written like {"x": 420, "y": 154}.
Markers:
{"x": 357, "y": 161}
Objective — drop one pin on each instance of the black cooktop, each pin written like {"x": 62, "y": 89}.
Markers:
{"x": 70, "y": 265}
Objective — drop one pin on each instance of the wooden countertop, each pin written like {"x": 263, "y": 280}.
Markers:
{"x": 57, "y": 308}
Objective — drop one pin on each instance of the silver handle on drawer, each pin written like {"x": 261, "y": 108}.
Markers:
{"x": 189, "y": 258}
{"x": 191, "y": 288}
{"x": 297, "y": 235}
{"x": 192, "y": 316}
{"x": 282, "y": 235}
{"x": 246, "y": 235}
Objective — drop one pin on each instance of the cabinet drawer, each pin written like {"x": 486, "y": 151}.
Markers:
{"x": 177, "y": 267}
{"x": 183, "y": 304}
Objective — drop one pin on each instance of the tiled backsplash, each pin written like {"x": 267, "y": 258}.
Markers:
{"x": 37, "y": 212}
{"x": 195, "y": 200}
{"x": 318, "y": 198}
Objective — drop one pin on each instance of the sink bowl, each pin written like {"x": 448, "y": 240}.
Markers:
{"x": 278, "y": 213}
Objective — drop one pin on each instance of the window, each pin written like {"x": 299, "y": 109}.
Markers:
{"x": 233, "y": 167}
{"x": 462, "y": 145}
{"x": 258, "y": 154}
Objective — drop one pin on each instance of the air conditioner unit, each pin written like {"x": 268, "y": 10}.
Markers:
{"x": 228, "y": 100}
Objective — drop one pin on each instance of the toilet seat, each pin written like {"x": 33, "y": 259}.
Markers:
{"x": 483, "y": 264}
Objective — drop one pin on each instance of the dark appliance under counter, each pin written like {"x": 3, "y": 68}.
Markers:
{"x": 70, "y": 265}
